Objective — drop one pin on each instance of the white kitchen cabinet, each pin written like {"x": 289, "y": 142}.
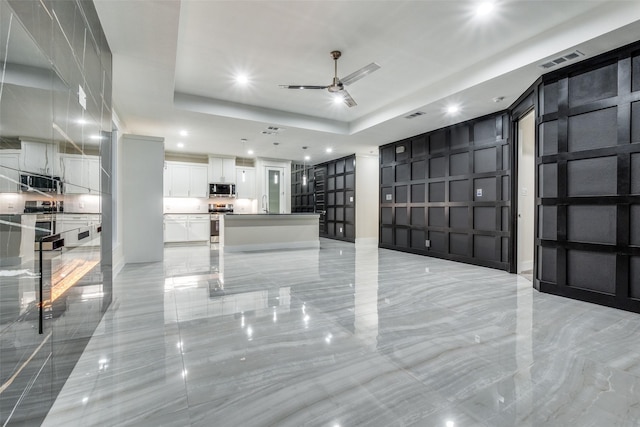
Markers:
{"x": 72, "y": 225}
{"x": 9, "y": 171}
{"x": 185, "y": 180}
{"x": 175, "y": 228}
{"x": 80, "y": 174}
{"x": 186, "y": 228}
{"x": 39, "y": 157}
{"x": 246, "y": 183}
{"x": 222, "y": 169}
{"x": 199, "y": 228}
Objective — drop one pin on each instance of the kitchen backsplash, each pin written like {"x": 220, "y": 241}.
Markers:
{"x": 13, "y": 203}
{"x": 193, "y": 205}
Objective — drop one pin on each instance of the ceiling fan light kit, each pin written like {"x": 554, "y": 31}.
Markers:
{"x": 337, "y": 85}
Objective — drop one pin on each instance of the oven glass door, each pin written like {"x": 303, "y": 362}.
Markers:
{"x": 45, "y": 227}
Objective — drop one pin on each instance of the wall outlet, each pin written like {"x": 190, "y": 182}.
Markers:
{"x": 388, "y": 197}
{"x": 478, "y": 192}
{"x": 341, "y": 229}
{"x": 351, "y": 199}
{"x": 427, "y": 243}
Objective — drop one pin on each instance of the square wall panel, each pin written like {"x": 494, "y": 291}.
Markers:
{"x": 459, "y": 164}
{"x": 635, "y": 122}
{"x": 601, "y": 83}
{"x": 547, "y": 264}
{"x": 401, "y": 194}
{"x": 402, "y": 237}
{"x": 594, "y": 271}
{"x": 635, "y": 173}
{"x": 436, "y": 167}
{"x": 592, "y": 177}
{"x": 436, "y": 192}
{"x": 505, "y": 220}
{"x": 591, "y": 224}
{"x": 403, "y": 172}
{"x": 634, "y": 225}
{"x": 418, "y": 193}
{"x": 548, "y": 138}
{"x": 484, "y": 131}
{"x": 417, "y": 217}
{"x": 484, "y": 189}
{"x": 388, "y": 155}
{"x": 484, "y": 160}
{"x": 459, "y": 137}
{"x": 386, "y": 215}
{"x": 436, "y": 217}
{"x": 418, "y": 239}
{"x": 548, "y": 180}
{"x": 597, "y": 129}
{"x": 459, "y": 244}
{"x": 459, "y": 191}
{"x": 437, "y": 142}
{"x": 634, "y": 277}
{"x": 350, "y": 215}
{"x": 549, "y": 98}
{"x": 635, "y": 73}
{"x": 386, "y": 235}
{"x": 484, "y": 218}
{"x": 505, "y": 157}
{"x": 418, "y": 170}
{"x": 548, "y": 222}
{"x": 484, "y": 247}
{"x": 402, "y": 217}
{"x": 419, "y": 146}
{"x": 350, "y": 181}
{"x": 437, "y": 240}
{"x": 459, "y": 217}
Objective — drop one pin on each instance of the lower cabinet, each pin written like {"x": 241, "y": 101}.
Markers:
{"x": 78, "y": 230}
{"x": 186, "y": 228}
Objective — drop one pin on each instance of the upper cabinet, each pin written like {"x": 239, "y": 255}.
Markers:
{"x": 245, "y": 183}
{"x": 80, "y": 174}
{"x": 9, "y": 171}
{"x": 39, "y": 157}
{"x": 222, "y": 169}
{"x": 185, "y": 180}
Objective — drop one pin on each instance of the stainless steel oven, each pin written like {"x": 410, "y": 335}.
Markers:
{"x": 45, "y": 225}
{"x": 215, "y": 228}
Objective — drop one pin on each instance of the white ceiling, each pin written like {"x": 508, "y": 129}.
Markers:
{"x": 175, "y": 64}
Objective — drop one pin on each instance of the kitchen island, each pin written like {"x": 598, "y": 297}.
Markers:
{"x": 254, "y": 232}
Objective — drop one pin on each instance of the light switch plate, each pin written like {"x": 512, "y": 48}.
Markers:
{"x": 478, "y": 192}
{"x": 388, "y": 197}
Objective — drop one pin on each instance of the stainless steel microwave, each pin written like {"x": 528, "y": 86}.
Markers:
{"x": 222, "y": 190}
{"x": 40, "y": 183}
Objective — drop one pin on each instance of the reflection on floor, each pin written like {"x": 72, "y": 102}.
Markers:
{"x": 348, "y": 336}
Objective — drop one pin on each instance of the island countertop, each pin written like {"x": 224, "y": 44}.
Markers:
{"x": 246, "y": 232}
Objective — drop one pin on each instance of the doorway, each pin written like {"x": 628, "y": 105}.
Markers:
{"x": 525, "y": 141}
{"x": 274, "y": 190}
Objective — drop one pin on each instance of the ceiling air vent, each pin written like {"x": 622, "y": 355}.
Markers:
{"x": 414, "y": 115}
{"x": 271, "y": 130}
{"x": 562, "y": 59}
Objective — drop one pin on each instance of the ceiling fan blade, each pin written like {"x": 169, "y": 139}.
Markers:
{"x": 303, "y": 87}
{"x": 362, "y": 72}
{"x": 348, "y": 99}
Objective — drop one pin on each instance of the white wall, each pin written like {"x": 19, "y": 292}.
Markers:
{"x": 367, "y": 190}
{"x": 142, "y": 177}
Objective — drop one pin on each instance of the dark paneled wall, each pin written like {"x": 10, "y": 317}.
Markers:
{"x": 446, "y": 193}
{"x": 301, "y": 190}
{"x": 588, "y": 198}
{"x": 335, "y": 185}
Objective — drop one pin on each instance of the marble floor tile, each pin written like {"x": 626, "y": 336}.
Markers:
{"x": 347, "y": 335}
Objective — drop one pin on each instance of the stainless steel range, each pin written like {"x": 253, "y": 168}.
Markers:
{"x": 217, "y": 209}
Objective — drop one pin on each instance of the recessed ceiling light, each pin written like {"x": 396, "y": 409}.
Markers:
{"x": 249, "y": 152}
{"x": 452, "y": 109}
{"x": 307, "y": 158}
{"x": 180, "y": 145}
{"x": 95, "y": 137}
{"x": 242, "y": 79}
{"x": 484, "y": 8}
{"x": 184, "y": 133}
{"x": 329, "y": 150}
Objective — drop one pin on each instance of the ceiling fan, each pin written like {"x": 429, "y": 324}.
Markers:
{"x": 337, "y": 85}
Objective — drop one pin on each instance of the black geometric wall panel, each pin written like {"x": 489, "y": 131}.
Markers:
{"x": 446, "y": 193}
{"x": 338, "y": 188}
{"x": 302, "y": 185}
{"x": 588, "y": 194}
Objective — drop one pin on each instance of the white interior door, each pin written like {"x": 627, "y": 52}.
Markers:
{"x": 526, "y": 196}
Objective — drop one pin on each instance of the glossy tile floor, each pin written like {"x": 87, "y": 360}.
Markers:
{"x": 348, "y": 336}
